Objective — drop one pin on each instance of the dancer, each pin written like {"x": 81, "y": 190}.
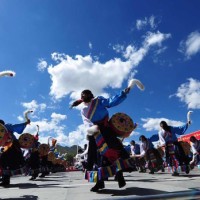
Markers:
{"x": 12, "y": 156}
{"x": 83, "y": 157}
{"x": 195, "y": 149}
{"x": 175, "y": 155}
{"x": 140, "y": 162}
{"x": 154, "y": 161}
{"x": 34, "y": 159}
{"x": 95, "y": 116}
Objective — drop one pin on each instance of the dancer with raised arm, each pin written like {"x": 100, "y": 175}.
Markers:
{"x": 102, "y": 137}
{"x": 175, "y": 155}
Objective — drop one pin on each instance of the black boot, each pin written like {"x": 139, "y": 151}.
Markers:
{"x": 142, "y": 170}
{"x": 187, "y": 169}
{"x": 42, "y": 175}
{"x": 5, "y": 181}
{"x": 98, "y": 185}
{"x": 151, "y": 171}
{"x": 33, "y": 178}
{"x": 175, "y": 174}
{"x": 120, "y": 179}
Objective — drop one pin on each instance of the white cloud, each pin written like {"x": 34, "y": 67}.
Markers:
{"x": 161, "y": 50}
{"x": 191, "y": 45}
{"x": 58, "y": 117}
{"x": 42, "y": 65}
{"x": 153, "y": 124}
{"x": 152, "y": 22}
{"x": 134, "y": 55}
{"x": 151, "y": 39}
{"x": 75, "y": 75}
{"x": 58, "y": 57}
{"x": 140, "y": 24}
{"x": 72, "y": 75}
{"x": 118, "y": 48}
{"x": 143, "y": 23}
{"x": 33, "y": 105}
{"x": 189, "y": 93}
{"x": 90, "y": 45}
{"x": 155, "y": 38}
{"x": 20, "y": 118}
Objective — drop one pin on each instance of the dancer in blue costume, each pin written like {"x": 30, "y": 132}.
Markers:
{"x": 152, "y": 156}
{"x": 12, "y": 156}
{"x": 175, "y": 155}
{"x": 95, "y": 116}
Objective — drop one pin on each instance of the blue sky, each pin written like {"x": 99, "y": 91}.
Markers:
{"x": 59, "y": 48}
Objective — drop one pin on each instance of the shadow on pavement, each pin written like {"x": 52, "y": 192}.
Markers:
{"x": 142, "y": 180}
{"x": 131, "y": 191}
{"x": 25, "y": 197}
{"x": 151, "y": 194}
{"x": 32, "y": 185}
{"x": 189, "y": 175}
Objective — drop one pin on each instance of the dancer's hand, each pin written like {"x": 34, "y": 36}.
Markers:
{"x": 28, "y": 121}
{"x": 127, "y": 90}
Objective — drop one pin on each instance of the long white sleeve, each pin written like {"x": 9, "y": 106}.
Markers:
{"x": 161, "y": 138}
{"x": 132, "y": 150}
{"x": 142, "y": 150}
{"x": 85, "y": 152}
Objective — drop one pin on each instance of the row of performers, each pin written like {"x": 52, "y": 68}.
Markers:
{"x": 173, "y": 155}
{"x": 176, "y": 156}
{"x": 26, "y": 155}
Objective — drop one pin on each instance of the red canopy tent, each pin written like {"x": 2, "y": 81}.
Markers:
{"x": 186, "y": 138}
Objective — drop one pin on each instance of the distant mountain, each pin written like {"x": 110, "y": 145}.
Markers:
{"x": 70, "y": 150}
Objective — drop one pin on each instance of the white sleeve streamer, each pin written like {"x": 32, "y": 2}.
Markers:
{"x": 38, "y": 129}
{"x": 26, "y": 114}
{"x": 189, "y": 117}
{"x": 134, "y": 82}
{"x": 7, "y": 73}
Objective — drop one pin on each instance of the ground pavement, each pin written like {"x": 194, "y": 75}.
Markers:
{"x": 72, "y": 186}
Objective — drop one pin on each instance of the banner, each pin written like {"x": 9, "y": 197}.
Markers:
{"x": 186, "y": 138}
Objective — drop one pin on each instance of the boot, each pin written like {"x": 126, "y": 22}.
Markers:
{"x": 187, "y": 169}
{"x": 98, "y": 185}
{"x": 120, "y": 179}
{"x": 5, "y": 181}
{"x": 33, "y": 178}
{"x": 151, "y": 171}
{"x": 142, "y": 170}
{"x": 175, "y": 174}
{"x": 42, "y": 175}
